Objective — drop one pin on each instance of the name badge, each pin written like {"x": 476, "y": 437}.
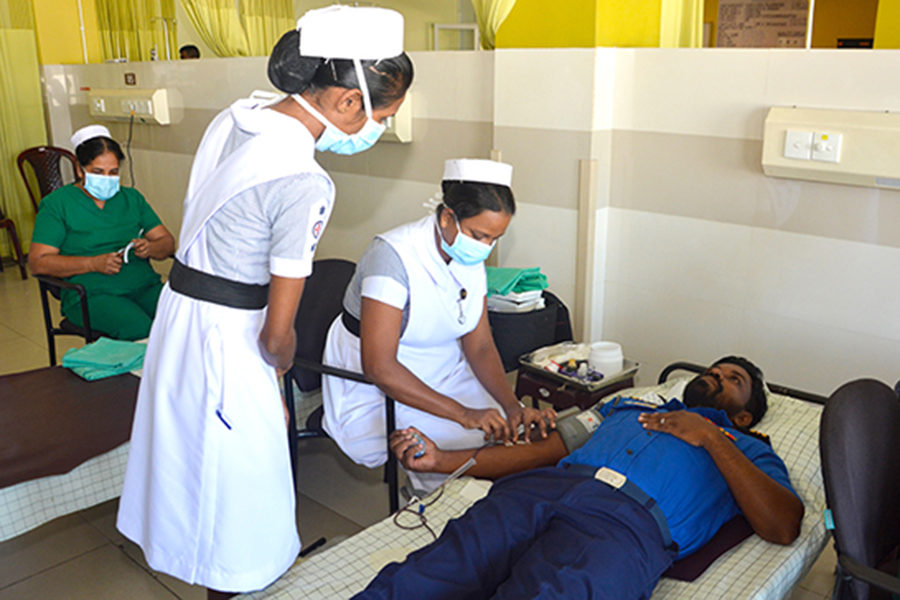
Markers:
{"x": 611, "y": 478}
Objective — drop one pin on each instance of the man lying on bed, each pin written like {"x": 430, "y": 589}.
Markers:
{"x": 567, "y": 532}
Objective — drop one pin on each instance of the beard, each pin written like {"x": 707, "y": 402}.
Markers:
{"x": 702, "y": 392}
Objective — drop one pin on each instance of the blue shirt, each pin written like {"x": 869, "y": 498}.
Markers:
{"x": 683, "y": 479}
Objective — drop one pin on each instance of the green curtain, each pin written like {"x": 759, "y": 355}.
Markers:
{"x": 21, "y": 113}
{"x": 490, "y": 14}
{"x": 134, "y": 28}
{"x": 681, "y": 24}
{"x": 265, "y": 21}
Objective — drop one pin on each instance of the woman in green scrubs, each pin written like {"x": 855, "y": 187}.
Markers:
{"x": 101, "y": 235}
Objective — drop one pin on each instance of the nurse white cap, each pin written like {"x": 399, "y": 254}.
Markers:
{"x": 88, "y": 133}
{"x": 362, "y": 32}
{"x": 478, "y": 170}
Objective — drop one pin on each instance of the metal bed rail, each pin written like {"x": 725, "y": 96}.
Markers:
{"x": 774, "y": 387}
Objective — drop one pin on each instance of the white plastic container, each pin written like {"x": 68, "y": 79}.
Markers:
{"x": 606, "y": 357}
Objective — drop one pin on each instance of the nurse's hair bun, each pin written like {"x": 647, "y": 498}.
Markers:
{"x": 387, "y": 79}
{"x": 288, "y": 71}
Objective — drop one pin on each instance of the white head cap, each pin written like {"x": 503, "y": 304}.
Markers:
{"x": 88, "y": 133}
{"x": 361, "y": 32}
{"x": 478, "y": 170}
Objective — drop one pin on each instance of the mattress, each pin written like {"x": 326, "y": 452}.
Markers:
{"x": 754, "y": 569}
{"x": 63, "y": 444}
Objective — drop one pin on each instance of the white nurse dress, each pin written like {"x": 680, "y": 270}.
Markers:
{"x": 429, "y": 347}
{"x": 208, "y": 490}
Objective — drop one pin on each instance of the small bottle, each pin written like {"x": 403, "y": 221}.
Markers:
{"x": 582, "y": 370}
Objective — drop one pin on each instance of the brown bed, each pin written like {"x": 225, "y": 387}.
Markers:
{"x": 62, "y": 443}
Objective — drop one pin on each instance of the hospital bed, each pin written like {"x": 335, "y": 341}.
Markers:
{"x": 754, "y": 569}
{"x": 63, "y": 444}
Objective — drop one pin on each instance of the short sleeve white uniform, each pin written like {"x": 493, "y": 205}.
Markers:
{"x": 429, "y": 348}
{"x": 208, "y": 492}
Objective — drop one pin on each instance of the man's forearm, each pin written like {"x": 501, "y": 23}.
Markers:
{"x": 771, "y": 509}
{"x": 494, "y": 462}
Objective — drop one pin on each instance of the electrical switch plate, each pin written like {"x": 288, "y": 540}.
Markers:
{"x": 868, "y": 153}
{"x": 826, "y": 147}
{"x": 798, "y": 144}
{"x": 148, "y": 106}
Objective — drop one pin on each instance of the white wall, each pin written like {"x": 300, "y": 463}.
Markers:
{"x": 697, "y": 253}
{"x": 707, "y": 256}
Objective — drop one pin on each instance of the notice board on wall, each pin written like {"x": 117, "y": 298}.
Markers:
{"x": 762, "y": 23}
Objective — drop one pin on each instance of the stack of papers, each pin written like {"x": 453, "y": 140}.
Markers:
{"x": 513, "y": 290}
{"x": 516, "y": 302}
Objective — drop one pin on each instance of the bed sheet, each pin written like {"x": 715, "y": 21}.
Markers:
{"x": 25, "y": 506}
{"x": 345, "y": 569}
{"x": 754, "y": 569}
{"x": 30, "y": 504}
{"x": 64, "y": 444}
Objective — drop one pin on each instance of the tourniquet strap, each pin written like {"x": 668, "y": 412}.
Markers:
{"x": 218, "y": 290}
{"x": 620, "y": 483}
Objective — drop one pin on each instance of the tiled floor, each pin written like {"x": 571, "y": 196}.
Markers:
{"x": 83, "y": 556}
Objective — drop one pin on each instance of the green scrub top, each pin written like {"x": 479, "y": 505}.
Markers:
{"x": 70, "y": 220}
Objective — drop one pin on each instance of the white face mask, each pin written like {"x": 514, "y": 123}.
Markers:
{"x": 337, "y": 141}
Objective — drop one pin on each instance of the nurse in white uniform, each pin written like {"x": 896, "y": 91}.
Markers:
{"x": 415, "y": 322}
{"x": 208, "y": 489}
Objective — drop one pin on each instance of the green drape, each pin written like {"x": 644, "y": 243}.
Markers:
{"x": 21, "y": 113}
{"x": 681, "y": 24}
{"x": 490, "y": 14}
{"x": 134, "y": 28}
{"x": 248, "y": 28}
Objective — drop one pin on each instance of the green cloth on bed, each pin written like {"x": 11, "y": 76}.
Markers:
{"x": 504, "y": 280}
{"x": 105, "y": 358}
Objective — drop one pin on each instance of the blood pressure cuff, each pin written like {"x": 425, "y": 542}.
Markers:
{"x": 577, "y": 426}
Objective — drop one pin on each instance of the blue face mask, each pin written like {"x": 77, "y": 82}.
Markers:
{"x": 466, "y": 250}
{"x": 337, "y": 141}
{"x": 101, "y": 187}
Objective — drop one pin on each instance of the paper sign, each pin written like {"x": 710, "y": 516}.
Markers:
{"x": 762, "y": 23}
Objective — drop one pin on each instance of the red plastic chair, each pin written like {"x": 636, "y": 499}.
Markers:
{"x": 8, "y": 225}
{"x": 45, "y": 161}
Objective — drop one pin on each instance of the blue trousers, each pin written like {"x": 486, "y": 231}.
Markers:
{"x": 546, "y": 533}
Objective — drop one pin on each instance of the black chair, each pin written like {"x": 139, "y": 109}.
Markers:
{"x": 516, "y": 334}
{"x": 859, "y": 440}
{"x": 52, "y": 287}
{"x": 322, "y": 302}
{"x": 46, "y": 163}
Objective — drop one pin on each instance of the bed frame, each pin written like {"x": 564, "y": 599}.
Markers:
{"x": 63, "y": 444}
{"x": 754, "y": 569}
{"x": 773, "y": 387}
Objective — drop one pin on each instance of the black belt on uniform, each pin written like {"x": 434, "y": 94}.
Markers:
{"x": 350, "y": 322}
{"x": 218, "y": 290}
{"x": 620, "y": 483}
